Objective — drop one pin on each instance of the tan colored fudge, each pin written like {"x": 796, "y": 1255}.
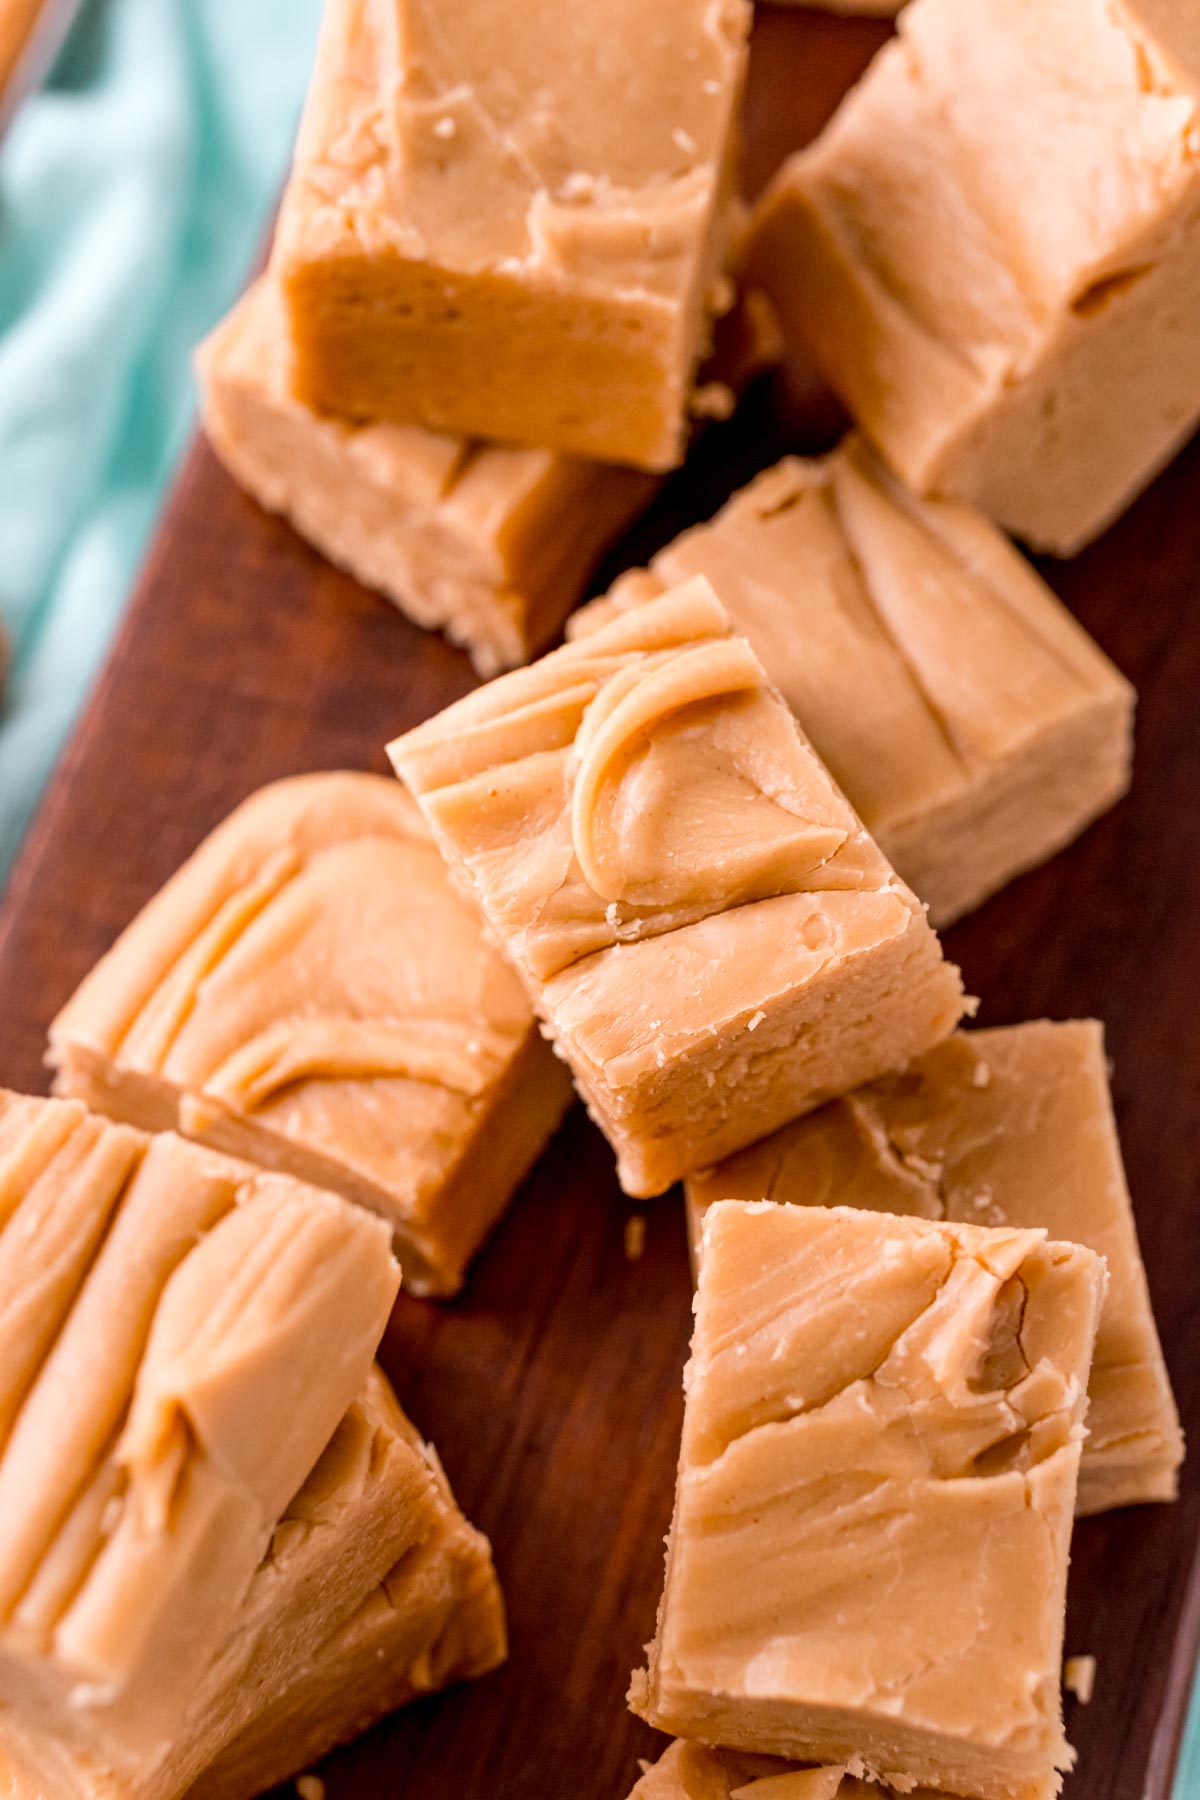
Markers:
{"x": 508, "y": 222}
{"x": 1012, "y": 327}
{"x": 159, "y": 1302}
{"x": 309, "y": 992}
{"x": 437, "y": 1619}
{"x": 973, "y": 725}
{"x": 868, "y": 1558}
{"x": 491, "y": 544}
{"x": 374, "y": 1590}
{"x": 418, "y": 1605}
{"x": 695, "y": 1772}
{"x": 1010, "y": 1127}
{"x": 708, "y": 932}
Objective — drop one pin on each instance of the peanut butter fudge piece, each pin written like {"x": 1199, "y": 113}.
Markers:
{"x": 309, "y": 992}
{"x": 491, "y": 544}
{"x": 374, "y": 1589}
{"x": 695, "y": 1772}
{"x": 1011, "y": 328}
{"x": 975, "y": 727}
{"x": 1011, "y": 1127}
{"x": 158, "y": 1303}
{"x": 868, "y": 1557}
{"x": 710, "y": 935}
{"x": 508, "y": 222}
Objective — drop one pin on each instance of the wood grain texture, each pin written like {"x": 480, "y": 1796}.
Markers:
{"x": 552, "y": 1388}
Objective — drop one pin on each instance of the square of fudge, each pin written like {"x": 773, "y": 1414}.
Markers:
{"x": 1013, "y": 329}
{"x": 509, "y": 222}
{"x": 974, "y": 726}
{"x": 868, "y": 1557}
{"x": 710, "y": 935}
{"x": 490, "y": 543}
{"x": 1010, "y": 1127}
{"x": 160, "y": 1302}
{"x": 374, "y": 1589}
{"x": 310, "y": 993}
{"x": 702, "y": 1772}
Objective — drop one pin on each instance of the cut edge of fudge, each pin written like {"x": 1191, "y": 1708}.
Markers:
{"x": 111, "y": 1042}
{"x": 691, "y": 1771}
{"x": 435, "y": 1617}
{"x": 898, "y": 980}
{"x": 935, "y": 855}
{"x": 397, "y": 1647}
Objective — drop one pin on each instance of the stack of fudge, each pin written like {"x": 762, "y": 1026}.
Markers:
{"x": 225, "y": 1547}
{"x": 689, "y": 865}
{"x": 475, "y": 243}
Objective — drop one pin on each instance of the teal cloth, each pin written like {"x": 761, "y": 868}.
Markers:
{"x": 1187, "y": 1774}
{"x": 134, "y": 192}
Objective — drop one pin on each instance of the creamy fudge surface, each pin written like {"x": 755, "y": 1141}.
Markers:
{"x": 374, "y": 1589}
{"x": 867, "y": 1561}
{"x": 695, "y": 1772}
{"x": 490, "y": 543}
{"x": 1010, "y": 1127}
{"x": 1013, "y": 330}
{"x": 453, "y": 255}
{"x": 309, "y": 992}
{"x": 706, "y": 928}
{"x": 974, "y": 726}
{"x": 158, "y": 1303}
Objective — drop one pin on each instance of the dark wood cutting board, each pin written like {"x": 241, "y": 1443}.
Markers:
{"x": 552, "y": 1387}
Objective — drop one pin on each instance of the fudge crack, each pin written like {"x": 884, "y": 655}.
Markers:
{"x": 906, "y": 1380}
{"x": 905, "y": 1167}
